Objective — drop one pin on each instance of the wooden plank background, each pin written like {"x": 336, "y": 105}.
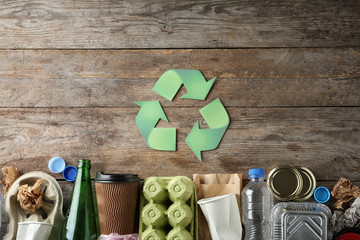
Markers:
{"x": 287, "y": 72}
{"x": 172, "y": 24}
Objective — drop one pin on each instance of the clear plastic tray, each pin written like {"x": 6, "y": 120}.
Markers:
{"x": 297, "y": 221}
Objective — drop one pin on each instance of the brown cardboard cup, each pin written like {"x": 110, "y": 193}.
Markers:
{"x": 117, "y": 196}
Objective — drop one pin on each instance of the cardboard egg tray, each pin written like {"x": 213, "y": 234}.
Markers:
{"x": 168, "y": 209}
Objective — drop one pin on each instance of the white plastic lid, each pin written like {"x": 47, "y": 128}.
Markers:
{"x": 56, "y": 165}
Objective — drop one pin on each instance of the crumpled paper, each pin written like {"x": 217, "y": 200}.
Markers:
{"x": 30, "y": 198}
{"x": 349, "y": 219}
{"x": 10, "y": 175}
{"x": 344, "y": 191}
{"x": 115, "y": 236}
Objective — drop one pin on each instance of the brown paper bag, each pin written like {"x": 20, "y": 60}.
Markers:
{"x": 211, "y": 185}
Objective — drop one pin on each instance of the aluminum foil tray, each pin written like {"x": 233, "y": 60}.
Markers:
{"x": 298, "y": 221}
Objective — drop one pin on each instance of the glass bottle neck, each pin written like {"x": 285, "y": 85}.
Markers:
{"x": 84, "y": 163}
{"x": 84, "y": 169}
{"x": 256, "y": 179}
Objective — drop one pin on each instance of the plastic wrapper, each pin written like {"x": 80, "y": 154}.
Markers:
{"x": 30, "y": 198}
{"x": 10, "y": 175}
{"x": 115, "y": 236}
{"x": 344, "y": 191}
{"x": 349, "y": 219}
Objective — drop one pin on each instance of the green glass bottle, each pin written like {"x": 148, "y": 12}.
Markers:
{"x": 80, "y": 219}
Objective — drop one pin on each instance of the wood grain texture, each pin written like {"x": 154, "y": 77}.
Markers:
{"x": 326, "y": 140}
{"x": 178, "y": 24}
{"x": 116, "y": 78}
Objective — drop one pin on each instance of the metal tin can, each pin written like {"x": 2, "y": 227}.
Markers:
{"x": 285, "y": 182}
{"x": 309, "y": 183}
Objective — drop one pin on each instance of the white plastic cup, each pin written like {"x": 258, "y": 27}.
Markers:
{"x": 33, "y": 231}
{"x": 223, "y": 216}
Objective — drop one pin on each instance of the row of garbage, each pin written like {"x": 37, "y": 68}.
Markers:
{"x": 288, "y": 205}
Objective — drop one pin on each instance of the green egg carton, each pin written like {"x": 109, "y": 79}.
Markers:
{"x": 168, "y": 209}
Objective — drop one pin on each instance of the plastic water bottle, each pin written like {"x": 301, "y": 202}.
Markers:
{"x": 257, "y": 201}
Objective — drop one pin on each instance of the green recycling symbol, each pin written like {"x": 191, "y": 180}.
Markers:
{"x": 197, "y": 87}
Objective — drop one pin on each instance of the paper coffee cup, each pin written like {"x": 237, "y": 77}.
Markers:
{"x": 117, "y": 196}
{"x": 223, "y": 216}
{"x": 33, "y": 231}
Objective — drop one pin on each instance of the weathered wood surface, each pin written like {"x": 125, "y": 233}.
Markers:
{"x": 69, "y": 75}
{"x": 178, "y": 24}
{"x": 116, "y": 78}
{"x": 324, "y": 139}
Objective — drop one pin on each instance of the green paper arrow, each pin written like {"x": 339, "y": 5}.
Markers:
{"x": 156, "y": 138}
{"x": 170, "y": 82}
{"x": 218, "y": 121}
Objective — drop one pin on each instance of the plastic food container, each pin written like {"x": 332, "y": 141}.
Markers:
{"x": 168, "y": 209}
{"x": 296, "y": 221}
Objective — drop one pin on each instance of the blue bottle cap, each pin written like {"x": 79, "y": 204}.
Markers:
{"x": 257, "y": 172}
{"x": 69, "y": 173}
{"x": 56, "y": 165}
{"x": 322, "y": 194}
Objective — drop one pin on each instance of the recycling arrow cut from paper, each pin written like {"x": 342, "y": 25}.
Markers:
{"x": 156, "y": 138}
{"x": 170, "y": 82}
{"x": 218, "y": 121}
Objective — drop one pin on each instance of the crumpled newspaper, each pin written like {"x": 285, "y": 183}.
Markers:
{"x": 10, "y": 175}
{"x": 30, "y": 198}
{"x": 349, "y": 219}
{"x": 115, "y": 236}
{"x": 344, "y": 191}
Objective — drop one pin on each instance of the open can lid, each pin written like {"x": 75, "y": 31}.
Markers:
{"x": 114, "y": 178}
{"x": 309, "y": 183}
{"x": 285, "y": 182}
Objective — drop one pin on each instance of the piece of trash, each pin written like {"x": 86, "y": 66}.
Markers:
{"x": 10, "y": 175}
{"x": 223, "y": 216}
{"x": 70, "y": 173}
{"x": 322, "y": 194}
{"x": 115, "y": 236}
{"x": 344, "y": 191}
{"x": 56, "y": 165}
{"x": 349, "y": 219}
{"x": 33, "y": 231}
{"x": 30, "y": 198}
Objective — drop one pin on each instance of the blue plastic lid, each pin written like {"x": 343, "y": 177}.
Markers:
{"x": 322, "y": 194}
{"x": 56, "y": 165}
{"x": 69, "y": 173}
{"x": 257, "y": 172}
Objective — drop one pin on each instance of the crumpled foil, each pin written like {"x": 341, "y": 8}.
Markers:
{"x": 115, "y": 236}
{"x": 10, "y": 175}
{"x": 349, "y": 219}
{"x": 30, "y": 197}
{"x": 344, "y": 191}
